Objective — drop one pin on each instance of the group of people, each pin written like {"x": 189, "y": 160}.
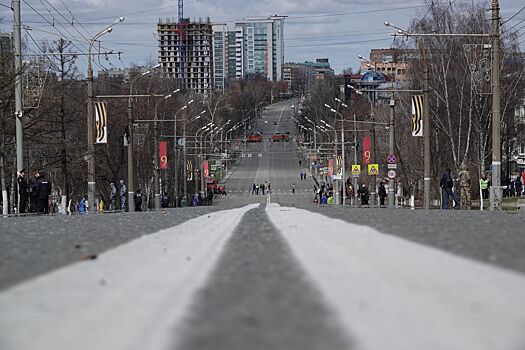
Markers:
{"x": 302, "y": 175}
{"x": 34, "y": 194}
{"x": 262, "y": 188}
{"x": 517, "y": 187}
{"x": 324, "y": 195}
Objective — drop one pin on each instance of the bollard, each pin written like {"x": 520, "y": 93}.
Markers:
{"x": 412, "y": 202}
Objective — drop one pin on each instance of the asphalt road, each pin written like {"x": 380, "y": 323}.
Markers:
{"x": 285, "y": 275}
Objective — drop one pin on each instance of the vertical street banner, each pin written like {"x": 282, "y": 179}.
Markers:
{"x": 330, "y": 167}
{"x": 163, "y": 153}
{"x": 101, "y": 124}
{"x": 205, "y": 168}
{"x": 417, "y": 115}
{"x": 366, "y": 149}
{"x": 189, "y": 170}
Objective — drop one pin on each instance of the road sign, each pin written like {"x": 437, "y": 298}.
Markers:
{"x": 356, "y": 169}
{"x": 373, "y": 169}
{"x": 181, "y": 141}
{"x": 213, "y": 167}
{"x": 391, "y": 159}
{"x": 391, "y": 174}
{"x": 392, "y": 166}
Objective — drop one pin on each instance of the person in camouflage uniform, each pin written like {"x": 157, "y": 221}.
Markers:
{"x": 464, "y": 184}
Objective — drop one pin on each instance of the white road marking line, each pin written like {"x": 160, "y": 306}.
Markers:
{"x": 394, "y": 294}
{"x": 148, "y": 286}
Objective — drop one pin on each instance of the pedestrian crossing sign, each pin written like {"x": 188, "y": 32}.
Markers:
{"x": 373, "y": 169}
{"x": 356, "y": 169}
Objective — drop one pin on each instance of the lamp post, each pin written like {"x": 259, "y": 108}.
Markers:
{"x": 90, "y": 124}
{"x": 175, "y": 152}
{"x": 184, "y": 153}
{"x": 130, "y": 136}
{"x": 156, "y": 161}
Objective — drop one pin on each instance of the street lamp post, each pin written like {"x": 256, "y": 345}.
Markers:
{"x": 175, "y": 151}
{"x": 90, "y": 124}
{"x": 130, "y": 136}
{"x": 156, "y": 161}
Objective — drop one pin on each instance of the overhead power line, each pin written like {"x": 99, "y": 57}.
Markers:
{"x": 514, "y": 15}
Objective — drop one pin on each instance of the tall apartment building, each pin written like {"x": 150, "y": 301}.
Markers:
{"x": 193, "y": 64}
{"x": 249, "y": 48}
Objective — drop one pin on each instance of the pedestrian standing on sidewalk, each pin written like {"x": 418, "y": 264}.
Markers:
{"x": 137, "y": 198}
{"x": 254, "y": 188}
{"x": 484, "y": 185}
{"x": 464, "y": 183}
{"x": 447, "y": 184}
{"x": 113, "y": 197}
{"x": 22, "y": 191}
{"x": 123, "y": 195}
{"x": 382, "y": 193}
{"x": 43, "y": 191}
{"x": 33, "y": 197}
{"x": 519, "y": 186}
{"x": 293, "y": 188}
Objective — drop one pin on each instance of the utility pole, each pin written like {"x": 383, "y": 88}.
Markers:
{"x": 130, "y": 150}
{"x": 354, "y": 179}
{"x": 496, "y": 190}
{"x": 391, "y": 186}
{"x": 343, "y": 160}
{"x": 19, "y": 108}
{"x": 373, "y": 198}
{"x": 91, "y": 143}
{"x": 426, "y": 132}
{"x": 156, "y": 163}
{"x": 185, "y": 165}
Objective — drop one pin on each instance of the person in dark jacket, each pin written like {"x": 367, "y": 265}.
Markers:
{"x": 165, "y": 200}
{"x": 22, "y": 191}
{"x": 382, "y": 193}
{"x": 447, "y": 184}
{"x": 43, "y": 191}
{"x": 33, "y": 198}
{"x": 137, "y": 197}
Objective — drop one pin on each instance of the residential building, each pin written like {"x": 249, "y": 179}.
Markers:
{"x": 298, "y": 76}
{"x": 6, "y": 42}
{"x": 250, "y": 48}
{"x": 121, "y": 73}
{"x": 186, "y": 52}
{"x": 392, "y": 62}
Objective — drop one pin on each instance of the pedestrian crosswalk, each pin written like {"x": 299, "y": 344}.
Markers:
{"x": 278, "y": 277}
{"x": 273, "y": 191}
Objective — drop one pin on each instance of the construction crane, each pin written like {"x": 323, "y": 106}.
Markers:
{"x": 181, "y": 30}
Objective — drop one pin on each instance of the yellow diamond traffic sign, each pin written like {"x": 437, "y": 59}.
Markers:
{"x": 373, "y": 169}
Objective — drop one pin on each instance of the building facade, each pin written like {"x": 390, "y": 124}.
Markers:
{"x": 248, "y": 49}
{"x": 299, "y": 76}
{"x": 186, "y": 52}
{"x": 392, "y": 62}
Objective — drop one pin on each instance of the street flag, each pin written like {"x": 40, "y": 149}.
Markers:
{"x": 163, "y": 148}
{"x": 330, "y": 167}
{"x": 366, "y": 149}
{"x": 417, "y": 115}
{"x": 189, "y": 170}
{"x": 205, "y": 168}
{"x": 101, "y": 125}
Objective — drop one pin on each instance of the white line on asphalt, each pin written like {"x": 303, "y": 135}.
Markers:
{"x": 394, "y": 294}
{"x": 132, "y": 297}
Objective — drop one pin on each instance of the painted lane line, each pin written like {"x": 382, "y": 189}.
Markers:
{"x": 394, "y": 294}
{"x": 131, "y": 297}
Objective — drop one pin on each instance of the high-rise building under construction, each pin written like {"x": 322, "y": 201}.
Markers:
{"x": 186, "y": 52}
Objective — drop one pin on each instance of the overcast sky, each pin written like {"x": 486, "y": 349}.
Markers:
{"x": 336, "y": 29}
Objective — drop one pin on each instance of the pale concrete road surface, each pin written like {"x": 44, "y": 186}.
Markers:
{"x": 245, "y": 274}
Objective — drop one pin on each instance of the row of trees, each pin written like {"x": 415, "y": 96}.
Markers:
{"x": 55, "y": 133}
{"x": 460, "y": 105}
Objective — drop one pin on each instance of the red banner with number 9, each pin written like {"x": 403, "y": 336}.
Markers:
{"x": 163, "y": 147}
{"x": 366, "y": 149}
